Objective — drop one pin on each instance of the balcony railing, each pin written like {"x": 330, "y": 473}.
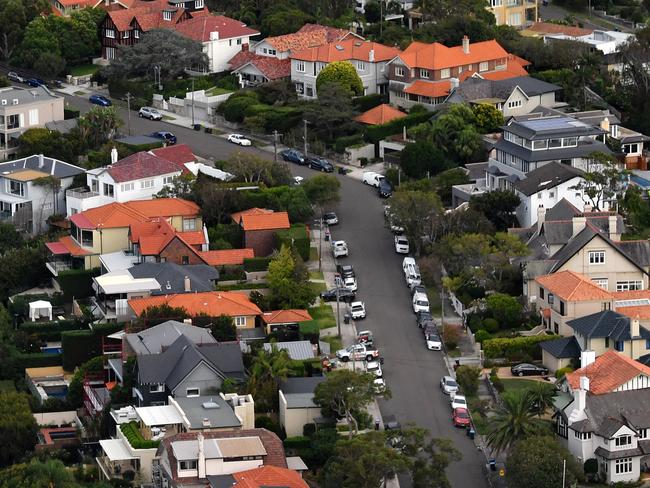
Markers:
{"x": 56, "y": 267}
{"x": 81, "y": 193}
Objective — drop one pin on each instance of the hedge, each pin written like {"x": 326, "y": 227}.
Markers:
{"x": 77, "y": 283}
{"x": 37, "y": 360}
{"x": 376, "y": 133}
{"x": 51, "y": 331}
{"x": 81, "y": 345}
{"x": 133, "y": 435}
{"x": 346, "y": 141}
{"x": 296, "y": 235}
{"x": 507, "y": 346}
{"x": 297, "y": 442}
{"x": 258, "y": 285}
{"x": 366, "y": 102}
{"x": 70, "y": 114}
{"x": 231, "y": 273}
{"x": 309, "y": 331}
{"x": 256, "y": 264}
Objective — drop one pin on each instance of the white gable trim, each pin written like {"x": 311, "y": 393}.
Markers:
{"x": 639, "y": 382}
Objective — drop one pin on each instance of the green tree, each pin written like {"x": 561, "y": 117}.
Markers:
{"x": 602, "y": 182}
{"x": 223, "y": 328}
{"x": 538, "y": 461}
{"x": 49, "y": 143}
{"x": 540, "y": 396}
{"x": 467, "y": 377}
{"x": 288, "y": 281}
{"x": 21, "y": 267}
{"x": 444, "y": 181}
{"x": 498, "y": 206}
{"x": 322, "y": 191}
{"x": 158, "y": 314}
{"x": 515, "y": 420}
{"x": 14, "y": 17}
{"x": 250, "y": 168}
{"x": 505, "y": 309}
{"x": 97, "y": 126}
{"x": 17, "y": 427}
{"x": 487, "y": 117}
{"x": 283, "y": 19}
{"x": 421, "y": 159}
{"x": 416, "y": 212}
{"x": 266, "y": 370}
{"x": 75, "y": 390}
{"x": 330, "y": 116}
{"x": 10, "y": 238}
{"x": 342, "y": 73}
{"x": 181, "y": 187}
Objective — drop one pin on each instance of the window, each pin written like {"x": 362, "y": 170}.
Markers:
{"x": 630, "y": 148}
{"x": 597, "y": 257}
{"x": 602, "y": 282}
{"x": 554, "y": 143}
{"x": 619, "y": 346}
{"x": 623, "y": 465}
{"x": 424, "y": 73}
{"x": 629, "y": 285}
{"x": 87, "y": 238}
{"x": 109, "y": 191}
{"x": 540, "y": 144}
{"x": 399, "y": 71}
{"x": 561, "y": 426}
{"x": 110, "y": 53}
{"x": 127, "y": 187}
{"x": 110, "y": 33}
{"x": 361, "y": 66}
{"x": 515, "y": 19}
{"x": 239, "y": 42}
{"x": 272, "y": 52}
{"x": 230, "y": 42}
{"x": 562, "y": 307}
{"x": 33, "y": 116}
{"x": 168, "y": 180}
{"x": 185, "y": 260}
{"x": 136, "y": 33}
{"x": 167, "y": 14}
{"x": 606, "y": 342}
{"x": 445, "y": 73}
{"x": 583, "y": 436}
{"x": 16, "y": 188}
{"x": 192, "y": 392}
{"x": 198, "y": 4}
{"x": 13, "y": 121}
{"x": 642, "y": 434}
{"x": 551, "y": 194}
{"x": 127, "y": 34}
{"x": 496, "y": 3}
{"x": 484, "y": 66}
{"x": 570, "y": 142}
{"x": 606, "y": 306}
{"x": 541, "y": 293}
{"x": 156, "y": 388}
{"x": 300, "y": 66}
{"x": 240, "y": 321}
{"x": 146, "y": 184}
{"x": 647, "y": 343}
{"x": 189, "y": 224}
{"x": 623, "y": 440}
{"x": 94, "y": 185}
{"x": 188, "y": 464}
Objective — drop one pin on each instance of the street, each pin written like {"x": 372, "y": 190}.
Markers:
{"x": 411, "y": 371}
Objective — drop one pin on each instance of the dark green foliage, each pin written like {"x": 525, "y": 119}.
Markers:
{"x": 77, "y": 283}
{"x": 17, "y": 427}
{"x": 421, "y": 159}
{"x": 505, "y": 309}
{"x": 298, "y": 442}
{"x": 230, "y": 234}
{"x": 296, "y": 237}
{"x": 70, "y": 113}
{"x": 49, "y": 143}
{"x": 51, "y": 331}
{"x": 75, "y": 389}
{"x": 309, "y": 331}
{"x": 266, "y": 422}
{"x": 231, "y": 273}
{"x": 79, "y": 346}
{"x": 366, "y": 102}
{"x": 490, "y": 325}
{"x": 22, "y": 268}
{"x": 37, "y": 360}
{"x": 376, "y": 133}
{"x": 133, "y": 435}
{"x": 498, "y": 207}
{"x": 223, "y": 328}
{"x": 346, "y": 141}
{"x": 234, "y": 109}
{"x": 162, "y": 313}
{"x": 467, "y": 377}
{"x": 505, "y": 346}
{"x": 256, "y": 264}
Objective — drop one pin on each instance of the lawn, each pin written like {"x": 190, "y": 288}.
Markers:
{"x": 324, "y": 316}
{"x": 513, "y": 384}
{"x": 319, "y": 287}
{"x": 215, "y": 90}
{"x": 313, "y": 254}
{"x": 334, "y": 342}
{"x": 167, "y": 118}
{"x": 84, "y": 69}
{"x": 316, "y": 275}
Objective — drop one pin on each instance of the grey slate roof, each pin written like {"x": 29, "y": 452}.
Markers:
{"x": 51, "y": 166}
{"x": 583, "y": 149}
{"x": 159, "y": 337}
{"x": 298, "y": 350}
{"x": 213, "y": 408}
{"x": 606, "y": 324}
{"x": 299, "y": 392}
{"x": 547, "y": 127}
{"x": 477, "y": 89}
{"x": 26, "y": 96}
{"x": 562, "y": 210}
{"x": 566, "y": 347}
{"x": 221, "y": 481}
{"x": 547, "y": 176}
{"x": 605, "y": 454}
{"x": 639, "y": 251}
{"x": 171, "y": 276}
{"x": 608, "y": 412}
{"x": 62, "y": 126}
{"x": 476, "y": 171}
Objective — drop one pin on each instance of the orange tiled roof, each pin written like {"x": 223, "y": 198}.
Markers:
{"x": 74, "y": 248}
{"x": 211, "y": 303}
{"x": 153, "y": 236}
{"x": 513, "y": 58}
{"x": 347, "y": 50}
{"x": 437, "y": 56}
{"x": 549, "y": 28}
{"x": 275, "y": 220}
{"x": 193, "y": 238}
{"x": 641, "y": 312}
{"x": 429, "y": 89}
{"x": 165, "y": 207}
{"x": 268, "y": 476}
{"x": 571, "y": 286}
{"x": 286, "y": 316}
{"x": 309, "y": 35}
{"x": 608, "y": 372}
{"x": 380, "y": 114}
{"x": 226, "y": 257}
{"x": 631, "y": 294}
{"x": 512, "y": 71}
{"x": 251, "y": 211}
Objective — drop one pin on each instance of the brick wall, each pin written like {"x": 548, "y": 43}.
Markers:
{"x": 175, "y": 250}
{"x": 262, "y": 241}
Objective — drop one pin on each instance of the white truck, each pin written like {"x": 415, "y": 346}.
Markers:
{"x": 372, "y": 178}
{"x": 411, "y": 272}
{"x": 339, "y": 249}
{"x": 358, "y": 352}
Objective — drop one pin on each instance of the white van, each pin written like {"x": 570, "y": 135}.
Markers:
{"x": 411, "y": 272}
{"x": 372, "y": 178}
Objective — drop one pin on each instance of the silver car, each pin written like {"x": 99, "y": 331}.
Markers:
{"x": 448, "y": 385}
{"x": 150, "y": 113}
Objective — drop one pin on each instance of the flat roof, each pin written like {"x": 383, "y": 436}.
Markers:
{"x": 117, "y": 261}
{"x": 115, "y": 450}
{"x": 159, "y": 415}
{"x": 123, "y": 282}
{"x": 26, "y": 175}
{"x": 212, "y": 409}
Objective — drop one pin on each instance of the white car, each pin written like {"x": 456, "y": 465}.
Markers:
{"x": 401, "y": 245}
{"x": 357, "y": 310}
{"x": 420, "y": 303}
{"x": 448, "y": 385}
{"x": 330, "y": 218}
{"x": 372, "y": 178}
{"x": 297, "y": 180}
{"x": 375, "y": 368}
{"x": 457, "y": 401}
{"x": 150, "y": 113}
{"x": 239, "y": 139}
{"x": 434, "y": 343}
{"x": 395, "y": 227}
{"x": 411, "y": 272}
{"x": 339, "y": 248}
{"x": 351, "y": 283}
{"x": 380, "y": 386}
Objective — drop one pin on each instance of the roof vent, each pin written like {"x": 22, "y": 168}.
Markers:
{"x": 168, "y": 285}
{"x": 4, "y": 102}
{"x": 14, "y": 101}
{"x": 210, "y": 405}
{"x": 206, "y": 422}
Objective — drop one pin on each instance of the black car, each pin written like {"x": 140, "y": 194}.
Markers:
{"x": 385, "y": 189}
{"x": 35, "y": 82}
{"x": 293, "y": 156}
{"x": 345, "y": 270}
{"x": 320, "y": 164}
{"x": 422, "y": 317}
{"x": 345, "y": 295}
{"x": 418, "y": 289}
{"x": 527, "y": 369}
{"x": 168, "y": 137}
{"x": 430, "y": 329}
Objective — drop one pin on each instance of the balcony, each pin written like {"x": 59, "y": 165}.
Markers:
{"x": 81, "y": 199}
{"x": 81, "y": 193}
{"x": 58, "y": 265}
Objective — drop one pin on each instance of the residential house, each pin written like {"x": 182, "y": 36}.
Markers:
{"x": 296, "y": 350}
{"x": 225, "y": 411}
{"x": 227, "y": 257}
{"x": 25, "y": 200}
{"x": 105, "y": 229}
{"x": 370, "y": 59}
{"x": 282, "y": 320}
{"x": 196, "y": 459}
{"x": 259, "y": 226}
{"x": 262, "y": 477}
{"x": 181, "y": 154}
{"x": 541, "y": 29}
{"x": 381, "y": 114}
{"x": 515, "y": 13}
{"x": 22, "y": 109}
{"x": 297, "y": 407}
{"x": 213, "y": 304}
{"x": 47, "y": 382}
{"x": 156, "y": 241}
{"x": 66, "y": 7}
{"x": 139, "y": 176}
{"x": 426, "y": 73}
{"x": 158, "y": 338}
{"x": 607, "y": 42}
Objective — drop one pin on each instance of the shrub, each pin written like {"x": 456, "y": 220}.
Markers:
{"x": 474, "y": 323}
{"x": 296, "y": 235}
{"x": 366, "y": 102}
{"x": 504, "y": 346}
{"x": 70, "y": 113}
{"x": 376, "y": 133}
{"x": 346, "y": 141}
{"x": 308, "y": 430}
{"x": 298, "y": 442}
{"x": 133, "y": 435}
{"x": 467, "y": 377}
{"x": 234, "y": 109}
{"x": 451, "y": 336}
{"x": 256, "y": 264}
{"x": 482, "y": 335}
{"x": 37, "y": 360}
{"x": 490, "y": 325}
{"x": 309, "y": 331}
{"x": 562, "y": 371}
{"x": 77, "y": 283}
{"x": 266, "y": 422}
{"x": 497, "y": 383}
{"x": 231, "y": 273}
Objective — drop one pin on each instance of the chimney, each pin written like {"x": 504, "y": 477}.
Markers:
{"x": 613, "y": 227}
{"x": 371, "y": 56}
{"x": 466, "y": 44}
{"x": 541, "y": 215}
{"x": 579, "y": 224}
{"x": 244, "y": 47}
{"x": 206, "y": 246}
{"x": 453, "y": 83}
{"x": 201, "y": 461}
{"x": 587, "y": 357}
{"x": 634, "y": 328}
{"x": 605, "y": 125}
{"x": 187, "y": 285}
{"x": 114, "y": 155}
{"x": 214, "y": 36}
{"x": 206, "y": 422}
{"x": 41, "y": 162}
{"x": 588, "y": 208}
{"x": 579, "y": 401}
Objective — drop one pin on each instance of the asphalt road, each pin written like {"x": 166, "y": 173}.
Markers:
{"x": 411, "y": 371}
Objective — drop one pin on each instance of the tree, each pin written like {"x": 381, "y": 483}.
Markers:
{"x": 17, "y": 427}
{"x": 14, "y": 17}
{"x": 267, "y": 369}
{"x": 505, "y": 309}
{"x": 421, "y": 159}
{"x": 444, "y": 181}
{"x": 223, "y": 328}
{"x": 322, "y": 191}
{"x": 372, "y": 12}
{"x": 288, "y": 281}
{"x": 9, "y": 237}
{"x": 97, "y": 126}
{"x": 160, "y": 47}
{"x": 49, "y": 143}
{"x": 487, "y": 117}
{"x": 51, "y": 186}
{"x": 460, "y": 221}
{"x": 158, "y": 314}
{"x": 498, "y": 206}
{"x": 345, "y": 394}
{"x": 283, "y": 19}
{"x": 515, "y": 421}
{"x": 540, "y": 396}
{"x": 602, "y": 182}
{"x": 537, "y": 462}
{"x": 342, "y": 73}
{"x": 415, "y": 211}
{"x": 467, "y": 377}
{"x": 330, "y": 116}
{"x": 181, "y": 187}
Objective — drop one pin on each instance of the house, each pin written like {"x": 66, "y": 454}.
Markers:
{"x": 540, "y": 29}
{"x": 381, "y": 114}
{"x": 187, "y": 369}
{"x": 284, "y": 319}
{"x": 24, "y": 200}
{"x": 22, "y": 109}
{"x": 139, "y": 176}
{"x": 66, "y": 7}
{"x": 259, "y": 226}
{"x": 297, "y": 407}
{"x": 225, "y": 411}
{"x": 296, "y": 350}
{"x": 195, "y": 459}
{"x": 213, "y": 304}
{"x": 517, "y": 14}
{"x": 221, "y": 37}
{"x": 105, "y": 229}
{"x": 426, "y": 73}
{"x": 607, "y": 42}
{"x": 370, "y": 60}
{"x": 181, "y": 154}
{"x": 262, "y": 477}
{"x": 158, "y": 338}
{"x": 227, "y": 257}
{"x": 156, "y": 241}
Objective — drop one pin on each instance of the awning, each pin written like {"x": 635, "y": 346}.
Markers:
{"x": 159, "y": 415}
{"x": 115, "y": 450}
{"x": 57, "y": 248}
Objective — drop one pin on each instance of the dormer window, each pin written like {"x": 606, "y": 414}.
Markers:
{"x": 167, "y": 14}
{"x": 198, "y": 4}
{"x": 188, "y": 464}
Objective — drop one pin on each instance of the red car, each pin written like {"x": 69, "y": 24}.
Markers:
{"x": 461, "y": 417}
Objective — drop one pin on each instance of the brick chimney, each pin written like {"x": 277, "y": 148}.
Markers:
{"x": 579, "y": 223}
{"x": 541, "y": 215}
{"x": 614, "y": 233}
{"x": 635, "y": 328}
{"x": 466, "y": 44}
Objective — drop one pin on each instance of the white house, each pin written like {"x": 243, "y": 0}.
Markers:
{"x": 137, "y": 177}
{"x": 607, "y": 42}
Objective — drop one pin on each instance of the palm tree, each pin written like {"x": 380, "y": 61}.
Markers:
{"x": 514, "y": 421}
{"x": 540, "y": 395}
{"x": 266, "y": 370}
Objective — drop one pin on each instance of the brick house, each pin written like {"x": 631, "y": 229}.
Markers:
{"x": 259, "y": 226}
{"x": 156, "y": 241}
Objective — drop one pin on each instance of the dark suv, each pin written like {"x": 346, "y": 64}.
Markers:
{"x": 385, "y": 189}
{"x": 345, "y": 295}
{"x": 321, "y": 164}
{"x": 293, "y": 156}
{"x": 345, "y": 270}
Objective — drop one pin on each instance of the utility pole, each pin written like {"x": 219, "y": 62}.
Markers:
{"x": 563, "y": 473}
{"x": 381, "y": 19}
{"x": 192, "y": 103}
{"x": 305, "y": 136}
{"x": 320, "y": 241}
{"x": 128, "y": 111}
{"x": 275, "y": 146}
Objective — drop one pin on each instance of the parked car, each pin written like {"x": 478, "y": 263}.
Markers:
{"x": 149, "y": 113}
{"x": 357, "y": 310}
{"x": 380, "y": 386}
{"x": 457, "y": 401}
{"x": 401, "y": 245}
{"x": 297, "y": 180}
{"x": 372, "y": 178}
{"x": 385, "y": 189}
{"x": 345, "y": 295}
{"x": 365, "y": 337}
{"x": 293, "y": 156}
{"x": 13, "y": 76}
{"x": 100, "y": 100}
{"x": 339, "y": 248}
{"x": 395, "y": 226}
{"x": 434, "y": 343}
{"x": 35, "y": 82}
{"x": 429, "y": 328}
{"x": 417, "y": 289}
{"x": 420, "y": 303}
{"x": 345, "y": 270}
{"x": 527, "y": 369}
{"x": 411, "y": 272}
{"x": 350, "y": 282}
{"x": 357, "y": 352}
{"x": 375, "y": 368}
{"x": 168, "y": 137}
{"x": 239, "y": 139}
{"x": 461, "y": 418}
{"x": 448, "y": 385}
{"x": 320, "y": 164}
{"x": 330, "y": 218}
{"x": 422, "y": 318}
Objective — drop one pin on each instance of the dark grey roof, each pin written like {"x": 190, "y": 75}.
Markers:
{"x": 476, "y": 171}
{"x": 582, "y": 426}
{"x": 221, "y": 481}
{"x": 606, "y": 324}
{"x": 645, "y": 359}
{"x": 562, "y": 210}
{"x": 547, "y": 127}
{"x": 547, "y": 176}
{"x": 297, "y": 350}
{"x": 171, "y": 276}
{"x": 637, "y": 137}
{"x": 639, "y": 251}
{"x": 215, "y": 409}
{"x": 51, "y": 166}
{"x": 159, "y": 337}
{"x": 62, "y": 126}
{"x": 529, "y": 85}
{"x": 300, "y": 385}
{"x": 584, "y": 148}
{"x": 595, "y": 117}
{"x": 605, "y": 454}
{"x": 26, "y": 96}
{"x": 566, "y": 347}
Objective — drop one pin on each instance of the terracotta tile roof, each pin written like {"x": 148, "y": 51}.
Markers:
{"x": 165, "y": 207}
{"x": 272, "y": 68}
{"x": 608, "y": 372}
{"x": 437, "y": 56}
{"x": 631, "y": 294}
{"x": 347, "y": 50}
{"x": 380, "y": 114}
{"x": 572, "y": 287}
{"x": 513, "y": 58}
{"x": 286, "y": 316}
{"x": 211, "y": 303}
{"x": 641, "y": 312}
{"x": 154, "y": 236}
{"x": 66, "y": 245}
{"x": 178, "y": 154}
{"x": 200, "y": 28}
{"x": 513, "y": 70}
{"x": 269, "y": 221}
{"x": 148, "y": 15}
{"x": 309, "y": 35}
{"x": 141, "y": 165}
{"x": 193, "y": 238}
{"x": 549, "y": 28}
{"x": 79, "y": 3}
{"x": 226, "y": 257}
{"x": 251, "y": 211}
{"x": 269, "y": 476}
{"x": 429, "y": 89}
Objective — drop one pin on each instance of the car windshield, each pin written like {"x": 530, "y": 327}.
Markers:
{"x": 459, "y": 401}
{"x": 462, "y": 414}
{"x": 422, "y": 303}
{"x": 450, "y": 382}
{"x": 433, "y": 338}
{"x": 357, "y": 308}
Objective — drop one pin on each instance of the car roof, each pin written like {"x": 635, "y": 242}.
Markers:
{"x": 460, "y": 410}
{"x": 447, "y": 378}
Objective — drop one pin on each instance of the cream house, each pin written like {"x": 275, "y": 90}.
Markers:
{"x": 297, "y": 407}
